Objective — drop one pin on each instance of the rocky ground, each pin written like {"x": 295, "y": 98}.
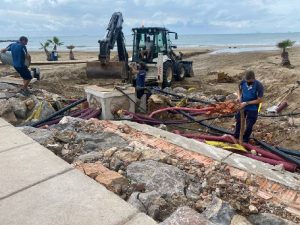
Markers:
{"x": 163, "y": 186}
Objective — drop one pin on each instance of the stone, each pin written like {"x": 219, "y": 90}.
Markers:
{"x": 112, "y": 180}
{"x": 239, "y": 220}
{"x": 90, "y": 157}
{"x": 186, "y": 216}
{"x": 65, "y": 137}
{"x": 253, "y": 209}
{"x": 135, "y": 202}
{"x": 6, "y": 86}
{"x": 267, "y": 219}
{"x": 127, "y": 156}
{"x": 101, "y": 141}
{"x": 153, "y": 154}
{"x": 224, "y": 78}
{"x": 5, "y": 107}
{"x": 19, "y": 108}
{"x": 10, "y": 117}
{"x": 30, "y": 104}
{"x": 37, "y": 134}
{"x": 180, "y": 90}
{"x": 110, "y": 152}
{"x": 47, "y": 110}
{"x": 193, "y": 191}
{"x": 219, "y": 212}
{"x": 165, "y": 179}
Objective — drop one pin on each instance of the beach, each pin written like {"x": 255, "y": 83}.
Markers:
{"x": 69, "y": 80}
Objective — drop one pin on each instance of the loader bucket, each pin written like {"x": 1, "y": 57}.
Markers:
{"x": 110, "y": 70}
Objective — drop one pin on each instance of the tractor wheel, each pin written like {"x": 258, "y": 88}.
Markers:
{"x": 180, "y": 72}
{"x": 167, "y": 74}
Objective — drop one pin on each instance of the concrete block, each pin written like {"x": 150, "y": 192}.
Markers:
{"x": 27, "y": 165}
{"x": 187, "y": 143}
{"x": 265, "y": 170}
{"x": 141, "y": 219}
{"x": 11, "y": 137}
{"x": 110, "y": 100}
{"x": 3, "y": 123}
{"x": 70, "y": 198}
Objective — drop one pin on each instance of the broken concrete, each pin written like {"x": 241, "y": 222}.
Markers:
{"x": 165, "y": 179}
{"x": 186, "y": 216}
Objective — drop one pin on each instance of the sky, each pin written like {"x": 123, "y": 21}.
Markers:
{"x": 90, "y": 17}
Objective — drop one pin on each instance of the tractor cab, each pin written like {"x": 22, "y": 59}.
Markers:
{"x": 149, "y": 41}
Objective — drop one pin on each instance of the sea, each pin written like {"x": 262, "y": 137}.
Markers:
{"x": 218, "y": 43}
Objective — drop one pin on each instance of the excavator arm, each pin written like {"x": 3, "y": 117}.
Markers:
{"x": 104, "y": 68}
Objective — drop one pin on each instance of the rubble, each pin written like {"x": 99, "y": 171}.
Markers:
{"x": 239, "y": 220}
{"x": 219, "y": 212}
{"x": 154, "y": 182}
{"x": 186, "y": 216}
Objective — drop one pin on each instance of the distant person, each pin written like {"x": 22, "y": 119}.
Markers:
{"x": 148, "y": 48}
{"x": 250, "y": 95}
{"x": 19, "y": 54}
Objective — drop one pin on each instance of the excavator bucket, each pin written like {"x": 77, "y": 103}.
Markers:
{"x": 110, "y": 70}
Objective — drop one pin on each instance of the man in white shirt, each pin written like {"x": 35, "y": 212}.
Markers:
{"x": 148, "y": 47}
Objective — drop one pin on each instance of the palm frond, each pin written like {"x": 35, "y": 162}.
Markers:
{"x": 285, "y": 44}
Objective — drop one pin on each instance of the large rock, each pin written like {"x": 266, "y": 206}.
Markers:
{"x": 90, "y": 157}
{"x": 165, "y": 179}
{"x": 18, "y": 107}
{"x": 113, "y": 181}
{"x": 186, "y": 216}
{"x": 42, "y": 136}
{"x": 219, "y": 212}
{"x": 6, "y": 86}
{"x": 100, "y": 141}
{"x": 268, "y": 219}
{"x": 149, "y": 202}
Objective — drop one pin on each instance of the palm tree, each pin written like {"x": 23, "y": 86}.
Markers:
{"x": 71, "y": 54}
{"x": 55, "y": 42}
{"x": 45, "y": 46}
{"x": 285, "y": 55}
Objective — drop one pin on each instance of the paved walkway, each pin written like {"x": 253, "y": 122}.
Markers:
{"x": 39, "y": 188}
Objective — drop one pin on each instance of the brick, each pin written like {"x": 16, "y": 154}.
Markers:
{"x": 264, "y": 195}
{"x": 288, "y": 196}
{"x": 293, "y": 211}
{"x": 112, "y": 180}
{"x": 234, "y": 172}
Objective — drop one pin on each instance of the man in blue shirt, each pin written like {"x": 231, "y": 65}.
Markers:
{"x": 250, "y": 95}
{"x": 19, "y": 54}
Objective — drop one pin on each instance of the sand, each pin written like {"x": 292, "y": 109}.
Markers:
{"x": 69, "y": 80}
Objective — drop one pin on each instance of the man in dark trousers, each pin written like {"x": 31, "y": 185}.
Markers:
{"x": 19, "y": 54}
{"x": 250, "y": 95}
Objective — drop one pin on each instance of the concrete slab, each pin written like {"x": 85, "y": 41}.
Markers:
{"x": 265, "y": 170}
{"x": 187, "y": 143}
{"x": 11, "y": 137}
{"x": 141, "y": 219}
{"x": 23, "y": 167}
{"x": 70, "y": 198}
{"x": 3, "y": 123}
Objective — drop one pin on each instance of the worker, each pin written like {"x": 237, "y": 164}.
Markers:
{"x": 250, "y": 95}
{"x": 148, "y": 48}
{"x": 19, "y": 54}
{"x": 140, "y": 71}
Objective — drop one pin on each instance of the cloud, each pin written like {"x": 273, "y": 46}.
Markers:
{"x": 76, "y": 17}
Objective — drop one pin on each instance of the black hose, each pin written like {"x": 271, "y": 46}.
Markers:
{"x": 289, "y": 151}
{"x": 59, "y": 112}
